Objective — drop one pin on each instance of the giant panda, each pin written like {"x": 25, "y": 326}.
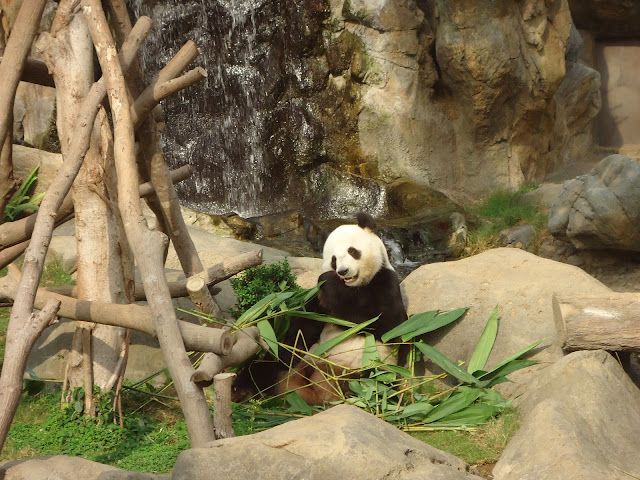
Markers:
{"x": 357, "y": 283}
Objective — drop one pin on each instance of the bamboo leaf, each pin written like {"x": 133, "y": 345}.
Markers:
{"x": 437, "y": 322}
{"x": 469, "y": 416}
{"x": 298, "y": 404}
{"x": 513, "y": 357}
{"x": 413, "y": 323}
{"x": 447, "y": 365}
{"x": 255, "y": 311}
{"x": 485, "y": 344}
{"x": 404, "y": 372}
{"x": 269, "y": 336}
{"x": 370, "y": 351}
{"x": 329, "y": 344}
{"x": 505, "y": 370}
{"x": 464, "y": 397}
{"x": 323, "y": 318}
{"x": 419, "y": 409}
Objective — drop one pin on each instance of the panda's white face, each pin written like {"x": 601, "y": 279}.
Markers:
{"x": 356, "y": 254}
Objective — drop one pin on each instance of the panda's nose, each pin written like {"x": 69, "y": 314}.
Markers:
{"x": 343, "y": 272}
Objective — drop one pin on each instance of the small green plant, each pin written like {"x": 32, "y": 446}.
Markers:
{"x": 500, "y": 211}
{"x": 258, "y": 282}
{"x": 21, "y": 201}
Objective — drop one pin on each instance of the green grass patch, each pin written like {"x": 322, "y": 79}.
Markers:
{"x": 478, "y": 446}
{"x": 147, "y": 443}
{"x": 502, "y": 210}
{"x": 53, "y": 275}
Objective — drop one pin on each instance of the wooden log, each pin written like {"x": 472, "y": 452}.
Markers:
{"x": 222, "y": 421}
{"x": 248, "y": 342}
{"x": 597, "y": 322}
{"x": 36, "y": 71}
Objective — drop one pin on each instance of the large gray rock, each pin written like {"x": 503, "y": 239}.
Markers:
{"x": 342, "y": 442}
{"x": 600, "y": 210}
{"x": 60, "y": 467}
{"x": 581, "y": 421}
{"x": 519, "y": 283}
{"x": 57, "y": 467}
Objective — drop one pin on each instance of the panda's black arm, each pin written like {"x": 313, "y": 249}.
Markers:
{"x": 389, "y": 297}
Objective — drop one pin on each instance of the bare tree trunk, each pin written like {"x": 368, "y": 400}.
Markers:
{"x": 165, "y": 203}
{"x": 148, "y": 246}
{"x": 22, "y": 35}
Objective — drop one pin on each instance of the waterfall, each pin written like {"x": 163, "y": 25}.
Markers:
{"x": 217, "y": 126}
{"x": 254, "y": 130}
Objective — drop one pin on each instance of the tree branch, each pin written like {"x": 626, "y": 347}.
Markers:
{"x": 155, "y": 92}
{"x": 212, "y": 276}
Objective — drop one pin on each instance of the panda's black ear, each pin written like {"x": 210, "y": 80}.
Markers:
{"x": 366, "y": 221}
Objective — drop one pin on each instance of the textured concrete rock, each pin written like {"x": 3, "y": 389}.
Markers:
{"x": 57, "y": 467}
{"x": 39, "y": 119}
{"x": 581, "y": 421}
{"x": 519, "y": 283}
{"x": 543, "y": 196}
{"x": 342, "y": 442}
{"x": 600, "y": 210}
{"x": 60, "y": 467}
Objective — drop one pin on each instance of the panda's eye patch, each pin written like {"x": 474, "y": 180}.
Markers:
{"x": 355, "y": 253}
{"x": 333, "y": 262}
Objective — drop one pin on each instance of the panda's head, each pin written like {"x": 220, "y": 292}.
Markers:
{"x": 355, "y": 252}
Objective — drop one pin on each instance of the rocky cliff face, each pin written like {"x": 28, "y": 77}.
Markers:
{"x": 465, "y": 97}
{"x": 336, "y": 106}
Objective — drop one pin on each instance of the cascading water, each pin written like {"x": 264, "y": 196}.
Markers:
{"x": 254, "y": 131}
{"x": 219, "y": 126}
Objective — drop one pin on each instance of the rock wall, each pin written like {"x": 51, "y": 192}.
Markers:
{"x": 465, "y": 97}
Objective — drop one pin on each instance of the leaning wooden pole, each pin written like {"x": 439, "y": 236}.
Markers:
{"x": 165, "y": 203}
{"x": 148, "y": 246}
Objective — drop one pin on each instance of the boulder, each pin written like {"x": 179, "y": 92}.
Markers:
{"x": 519, "y": 237}
{"x": 519, "y": 283}
{"x": 543, "y": 196}
{"x": 59, "y": 467}
{"x": 581, "y": 419}
{"x": 600, "y": 210}
{"x": 25, "y": 159}
{"x": 342, "y": 442}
